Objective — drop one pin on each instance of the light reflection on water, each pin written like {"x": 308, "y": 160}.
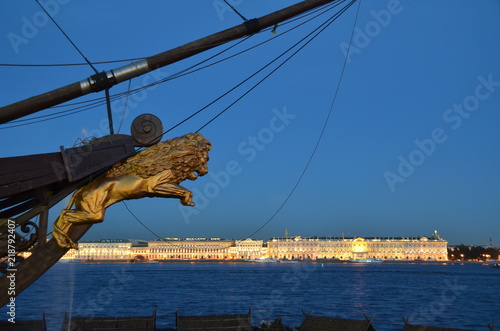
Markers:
{"x": 428, "y": 294}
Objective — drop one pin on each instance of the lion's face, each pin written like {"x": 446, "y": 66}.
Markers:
{"x": 201, "y": 169}
{"x": 197, "y": 163}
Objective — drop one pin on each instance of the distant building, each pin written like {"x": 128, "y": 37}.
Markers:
{"x": 248, "y": 249}
{"x": 139, "y": 251}
{"x": 293, "y": 248}
{"x": 416, "y": 248}
{"x": 191, "y": 249}
{"x": 106, "y": 249}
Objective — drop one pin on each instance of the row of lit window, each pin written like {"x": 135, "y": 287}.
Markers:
{"x": 124, "y": 246}
{"x": 186, "y": 250}
{"x": 188, "y": 246}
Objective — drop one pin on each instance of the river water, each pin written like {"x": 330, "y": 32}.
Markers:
{"x": 461, "y": 296}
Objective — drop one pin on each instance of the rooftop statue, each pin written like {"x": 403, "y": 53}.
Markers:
{"x": 156, "y": 171}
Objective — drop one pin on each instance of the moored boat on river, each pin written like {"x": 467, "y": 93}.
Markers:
{"x": 368, "y": 260}
{"x": 69, "y": 261}
{"x": 263, "y": 260}
{"x": 289, "y": 261}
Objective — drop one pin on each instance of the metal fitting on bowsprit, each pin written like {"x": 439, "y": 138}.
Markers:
{"x": 106, "y": 79}
{"x": 101, "y": 81}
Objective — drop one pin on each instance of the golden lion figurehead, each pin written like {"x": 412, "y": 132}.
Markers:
{"x": 185, "y": 156}
{"x": 153, "y": 172}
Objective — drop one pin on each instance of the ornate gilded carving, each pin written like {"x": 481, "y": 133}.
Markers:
{"x": 153, "y": 172}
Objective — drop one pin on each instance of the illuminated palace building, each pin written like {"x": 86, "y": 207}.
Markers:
{"x": 344, "y": 249}
{"x": 413, "y": 248}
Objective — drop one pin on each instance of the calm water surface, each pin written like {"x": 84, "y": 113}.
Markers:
{"x": 463, "y": 296}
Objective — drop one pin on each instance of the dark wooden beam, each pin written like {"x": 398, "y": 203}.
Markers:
{"x": 18, "y": 209}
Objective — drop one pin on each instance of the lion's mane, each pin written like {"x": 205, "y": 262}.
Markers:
{"x": 181, "y": 155}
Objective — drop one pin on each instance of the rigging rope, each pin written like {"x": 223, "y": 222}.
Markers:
{"x": 124, "y": 106}
{"x": 237, "y": 12}
{"x": 190, "y": 250}
{"x": 67, "y": 37}
{"x": 322, "y": 27}
{"x": 141, "y": 223}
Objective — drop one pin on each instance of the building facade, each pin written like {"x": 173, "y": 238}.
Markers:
{"x": 248, "y": 249}
{"x": 416, "y": 248}
{"x": 112, "y": 249}
{"x": 190, "y": 249}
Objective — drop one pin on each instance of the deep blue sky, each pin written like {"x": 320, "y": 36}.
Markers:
{"x": 412, "y": 145}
